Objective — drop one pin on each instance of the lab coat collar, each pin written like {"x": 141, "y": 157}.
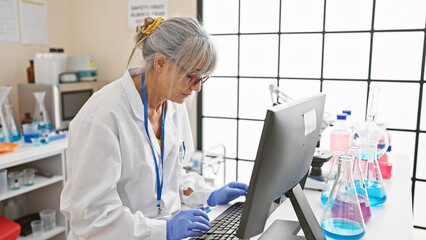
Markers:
{"x": 137, "y": 107}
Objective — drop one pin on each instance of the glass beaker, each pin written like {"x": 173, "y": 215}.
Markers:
{"x": 4, "y": 132}
{"x": 342, "y": 217}
{"x": 359, "y": 183}
{"x": 331, "y": 176}
{"x": 41, "y": 117}
{"x": 12, "y": 127}
{"x": 371, "y": 172}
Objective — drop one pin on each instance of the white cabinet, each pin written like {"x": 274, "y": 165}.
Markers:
{"x": 45, "y": 192}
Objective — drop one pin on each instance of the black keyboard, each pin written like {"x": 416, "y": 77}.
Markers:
{"x": 225, "y": 225}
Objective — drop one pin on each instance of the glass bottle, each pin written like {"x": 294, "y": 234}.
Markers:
{"x": 30, "y": 72}
{"x": 342, "y": 217}
{"x": 332, "y": 167}
{"x": 359, "y": 183}
{"x": 41, "y": 117}
{"x": 12, "y": 127}
{"x": 371, "y": 172}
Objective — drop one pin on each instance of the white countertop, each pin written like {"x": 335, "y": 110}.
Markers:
{"x": 393, "y": 220}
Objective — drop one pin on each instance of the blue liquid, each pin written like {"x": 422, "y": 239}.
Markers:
{"x": 27, "y": 137}
{"x": 324, "y": 197}
{"x": 16, "y": 137}
{"x": 338, "y": 228}
{"x": 375, "y": 192}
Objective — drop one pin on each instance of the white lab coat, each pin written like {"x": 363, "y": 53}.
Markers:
{"x": 110, "y": 192}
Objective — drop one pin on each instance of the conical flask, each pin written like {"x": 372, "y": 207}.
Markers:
{"x": 371, "y": 172}
{"x": 332, "y": 171}
{"x": 364, "y": 202}
{"x": 342, "y": 217}
{"x": 12, "y": 127}
{"x": 4, "y": 131}
{"x": 41, "y": 117}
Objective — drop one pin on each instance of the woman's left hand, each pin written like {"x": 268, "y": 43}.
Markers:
{"x": 227, "y": 193}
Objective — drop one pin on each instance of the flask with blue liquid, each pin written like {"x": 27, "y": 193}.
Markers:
{"x": 371, "y": 172}
{"x": 41, "y": 117}
{"x": 331, "y": 176}
{"x": 359, "y": 182}
{"x": 342, "y": 217}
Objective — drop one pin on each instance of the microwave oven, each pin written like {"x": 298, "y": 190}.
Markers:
{"x": 62, "y": 101}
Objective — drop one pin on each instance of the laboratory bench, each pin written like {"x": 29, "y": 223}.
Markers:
{"x": 393, "y": 220}
{"x": 46, "y": 190}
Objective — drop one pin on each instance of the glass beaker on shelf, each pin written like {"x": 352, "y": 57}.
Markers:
{"x": 41, "y": 117}
{"x": 372, "y": 176}
{"x": 342, "y": 217}
{"x": 12, "y": 127}
{"x": 332, "y": 171}
{"x": 361, "y": 190}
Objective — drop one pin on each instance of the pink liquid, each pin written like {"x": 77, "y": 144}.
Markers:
{"x": 345, "y": 206}
{"x": 385, "y": 167}
{"x": 339, "y": 142}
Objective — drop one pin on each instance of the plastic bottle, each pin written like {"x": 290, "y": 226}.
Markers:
{"x": 30, "y": 72}
{"x": 340, "y": 134}
{"x": 385, "y": 164}
{"x": 11, "y": 210}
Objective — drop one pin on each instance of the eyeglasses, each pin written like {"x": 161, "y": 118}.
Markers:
{"x": 194, "y": 79}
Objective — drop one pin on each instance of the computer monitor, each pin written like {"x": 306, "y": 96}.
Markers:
{"x": 287, "y": 144}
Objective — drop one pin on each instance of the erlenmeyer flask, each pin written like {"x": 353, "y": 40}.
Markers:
{"x": 332, "y": 171}
{"x": 359, "y": 183}
{"x": 4, "y": 132}
{"x": 12, "y": 127}
{"x": 41, "y": 117}
{"x": 342, "y": 217}
{"x": 371, "y": 172}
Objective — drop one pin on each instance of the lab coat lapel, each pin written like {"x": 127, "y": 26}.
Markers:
{"x": 171, "y": 133}
{"x": 137, "y": 106}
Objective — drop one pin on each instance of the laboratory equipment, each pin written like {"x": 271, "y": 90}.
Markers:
{"x": 62, "y": 101}
{"x": 373, "y": 103}
{"x": 36, "y": 141}
{"x": 30, "y": 72}
{"x": 11, "y": 210}
{"x": 331, "y": 176}
{"x": 14, "y": 179}
{"x": 41, "y": 117}
{"x": 385, "y": 164}
{"x": 12, "y": 127}
{"x": 48, "y": 216}
{"x": 371, "y": 173}
{"x": 279, "y": 169}
{"x": 37, "y": 228}
{"x": 4, "y": 131}
{"x": 30, "y": 130}
{"x": 364, "y": 202}
{"x": 28, "y": 176}
{"x": 316, "y": 179}
{"x": 84, "y": 66}
{"x": 340, "y": 134}
{"x": 342, "y": 216}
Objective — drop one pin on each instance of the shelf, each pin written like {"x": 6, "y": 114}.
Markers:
{"x": 25, "y": 153}
{"x": 39, "y": 182}
{"x": 45, "y": 235}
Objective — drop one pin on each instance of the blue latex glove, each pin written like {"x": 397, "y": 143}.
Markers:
{"x": 187, "y": 223}
{"x": 227, "y": 193}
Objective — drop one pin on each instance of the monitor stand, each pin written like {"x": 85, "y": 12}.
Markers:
{"x": 282, "y": 229}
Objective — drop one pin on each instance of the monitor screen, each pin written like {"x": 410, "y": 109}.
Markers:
{"x": 284, "y": 155}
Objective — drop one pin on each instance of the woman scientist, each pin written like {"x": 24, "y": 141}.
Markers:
{"x": 127, "y": 144}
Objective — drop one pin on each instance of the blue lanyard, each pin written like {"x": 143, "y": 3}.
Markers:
{"x": 145, "y": 108}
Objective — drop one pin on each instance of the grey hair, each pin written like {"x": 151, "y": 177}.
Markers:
{"x": 183, "y": 41}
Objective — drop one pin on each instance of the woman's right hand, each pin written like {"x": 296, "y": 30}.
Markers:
{"x": 187, "y": 223}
